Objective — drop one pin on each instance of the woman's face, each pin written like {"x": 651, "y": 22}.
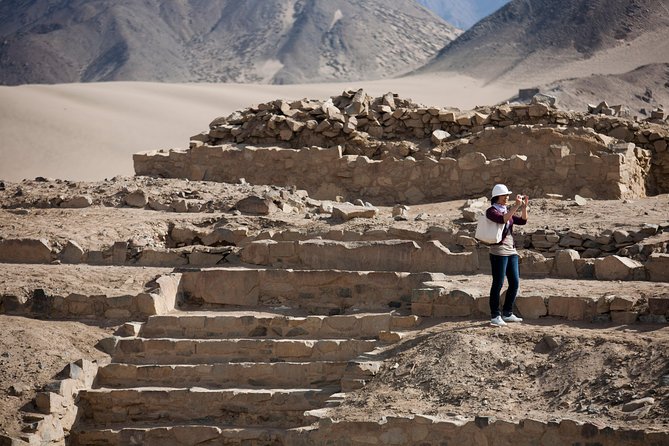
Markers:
{"x": 503, "y": 199}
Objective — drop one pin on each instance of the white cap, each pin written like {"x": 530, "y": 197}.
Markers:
{"x": 500, "y": 189}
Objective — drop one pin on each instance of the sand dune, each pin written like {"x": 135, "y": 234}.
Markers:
{"x": 90, "y": 131}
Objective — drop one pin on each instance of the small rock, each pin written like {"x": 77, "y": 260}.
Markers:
{"x": 137, "y": 199}
{"x": 359, "y": 202}
{"x": 637, "y": 404}
{"x": 79, "y": 202}
{"x": 580, "y": 200}
{"x": 346, "y": 212}
{"x": 421, "y": 217}
{"x": 17, "y": 389}
{"x": 256, "y": 205}
{"x": 547, "y": 344}
{"x": 2, "y": 185}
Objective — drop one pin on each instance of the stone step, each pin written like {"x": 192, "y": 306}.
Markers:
{"x": 241, "y": 324}
{"x": 283, "y": 408}
{"x": 241, "y": 374}
{"x": 208, "y": 351}
{"x": 183, "y": 435}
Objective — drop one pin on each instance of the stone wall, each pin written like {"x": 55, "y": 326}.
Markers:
{"x": 159, "y": 301}
{"x": 391, "y": 150}
{"x": 595, "y": 171}
{"x": 56, "y": 407}
{"x": 321, "y": 292}
{"x": 448, "y": 299}
{"x": 426, "y": 430}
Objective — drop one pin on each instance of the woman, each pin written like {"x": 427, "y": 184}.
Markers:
{"x": 503, "y": 255}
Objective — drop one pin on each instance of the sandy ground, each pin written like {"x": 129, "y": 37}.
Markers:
{"x": 90, "y": 131}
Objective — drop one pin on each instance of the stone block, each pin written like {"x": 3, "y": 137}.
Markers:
{"x": 25, "y": 251}
{"x": 79, "y": 202}
{"x": 282, "y": 249}
{"x": 659, "y": 305}
{"x": 347, "y": 212}
{"x": 439, "y": 136}
{"x": 137, "y": 199}
{"x": 422, "y": 300}
{"x": 658, "y": 267}
{"x": 256, "y": 205}
{"x": 537, "y": 110}
{"x": 573, "y": 308}
{"x": 257, "y": 253}
{"x": 225, "y": 286}
{"x": 119, "y": 253}
{"x": 624, "y": 317}
{"x": 622, "y": 303}
{"x": 472, "y": 161}
{"x": 456, "y": 303}
{"x": 71, "y": 253}
{"x": 616, "y": 268}
{"x": 565, "y": 263}
{"x": 531, "y": 307}
{"x": 161, "y": 258}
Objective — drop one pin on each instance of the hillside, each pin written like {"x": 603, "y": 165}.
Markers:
{"x": 640, "y": 90}
{"x": 539, "y": 41}
{"x": 463, "y": 13}
{"x": 219, "y": 41}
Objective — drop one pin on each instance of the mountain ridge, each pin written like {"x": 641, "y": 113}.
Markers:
{"x": 288, "y": 41}
{"x": 527, "y": 38}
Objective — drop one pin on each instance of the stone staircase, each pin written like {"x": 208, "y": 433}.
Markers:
{"x": 241, "y": 376}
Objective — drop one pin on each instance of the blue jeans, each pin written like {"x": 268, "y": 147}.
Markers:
{"x": 503, "y": 266}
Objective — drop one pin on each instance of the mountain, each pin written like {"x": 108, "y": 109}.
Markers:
{"x": 463, "y": 13}
{"x": 539, "y": 41}
{"x": 271, "y": 41}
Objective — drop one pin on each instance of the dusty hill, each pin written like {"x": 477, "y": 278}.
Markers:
{"x": 463, "y": 13}
{"x": 537, "y": 41}
{"x": 640, "y": 90}
{"x": 224, "y": 40}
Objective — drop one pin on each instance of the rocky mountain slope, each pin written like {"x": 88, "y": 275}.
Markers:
{"x": 531, "y": 41}
{"x": 463, "y": 13}
{"x": 289, "y": 41}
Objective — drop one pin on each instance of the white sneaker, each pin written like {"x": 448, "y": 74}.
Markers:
{"x": 497, "y": 321}
{"x": 512, "y": 318}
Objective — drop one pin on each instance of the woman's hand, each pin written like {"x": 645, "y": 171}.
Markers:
{"x": 519, "y": 201}
{"x": 526, "y": 200}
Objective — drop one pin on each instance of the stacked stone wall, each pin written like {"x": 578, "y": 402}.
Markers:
{"x": 388, "y": 150}
{"x": 326, "y": 173}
